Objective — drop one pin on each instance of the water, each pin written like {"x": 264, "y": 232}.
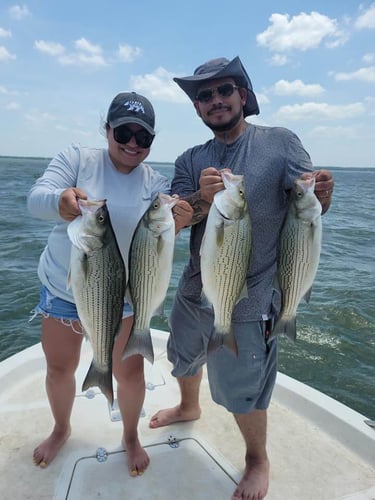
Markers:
{"x": 336, "y": 331}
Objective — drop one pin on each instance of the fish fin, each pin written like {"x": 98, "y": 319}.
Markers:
{"x": 68, "y": 279}
{"x": 103, "y": 380}
{"x": 160, "y": 310}
{"x": 204, "y": 300}
{"x": 244, "y": 293}
{"x": 139, "y": 342}
{"x": 285, "y": 327}
{"x": 218, "y": 340}
{"x": 307, "y": 295}
{"x": 128, "y": 295}
{"x": 220, "y": 234}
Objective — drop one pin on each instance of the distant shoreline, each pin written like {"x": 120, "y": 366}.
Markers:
{"x": 44, "y": 158}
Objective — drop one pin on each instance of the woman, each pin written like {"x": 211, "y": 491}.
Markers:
{"x": 117, "y": 174}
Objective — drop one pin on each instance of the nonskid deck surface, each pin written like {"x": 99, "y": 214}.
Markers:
{"x": 201, "y": 459}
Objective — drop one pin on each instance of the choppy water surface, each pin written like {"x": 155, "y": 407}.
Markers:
{"x": 335, "y": 351}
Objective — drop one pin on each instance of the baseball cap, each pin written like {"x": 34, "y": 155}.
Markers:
{"x": 130, "y": 107}
{"x": 220, "y": 68}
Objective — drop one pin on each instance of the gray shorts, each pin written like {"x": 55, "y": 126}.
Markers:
{"x": 239, "y": 383}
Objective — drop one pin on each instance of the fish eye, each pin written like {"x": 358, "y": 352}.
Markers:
{"x": 101, "y": 218}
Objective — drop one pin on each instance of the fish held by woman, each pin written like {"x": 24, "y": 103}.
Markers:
{"x": 150, "y": 269}
{"x": 225, "y": 256}
{"x": 299, "y": 254}
{"x": 97, "y": 277}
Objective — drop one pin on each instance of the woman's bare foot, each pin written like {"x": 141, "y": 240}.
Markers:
{"x": 172, "y": 415}
{"x": 138, "y": 459}
{"x": 48, "y": 449}
{"x": 254, "y": 483}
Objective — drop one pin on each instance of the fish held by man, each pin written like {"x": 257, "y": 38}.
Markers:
{"x": 299, "y": 254}
{"x": 225, "y": 256}
{"x": 150, "y": 269}
{"x": 97, "y": 278}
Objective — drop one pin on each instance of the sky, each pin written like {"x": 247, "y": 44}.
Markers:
{"x": 311, "y": 63}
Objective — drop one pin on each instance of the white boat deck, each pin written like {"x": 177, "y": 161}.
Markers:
{"x": 318, "y": 448}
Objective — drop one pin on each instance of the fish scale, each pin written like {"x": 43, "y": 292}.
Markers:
{"x": 97, "y": 277}
{"x": 226, "y": 269}
{"x": 299, "y": 253}
{"x": 150, "y": 269}
{"x": 225, "y": 256}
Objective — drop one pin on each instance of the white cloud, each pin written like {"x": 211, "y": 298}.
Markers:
{"x": 87, "y": 54}
{"x": 12, "y": 105}
{"x": 279, "y": 60}
{"x": 5, "y": 55}
{"x": 362, "y": 74}
{"x": 82, "y": 59}
{"x": 51, "y": 48}
{"x": 301, "y": 32}
{"x": 85, "y": 46}
{"x": 334, "y": 132}
{"x": 297, "y": 87}
{"x": 321, "y": 111}
{"x": 367, "y": 19}
{"x": 368, "y": 58}
{"x": 5, "y": 33}
{"x": 19, "y": 12}
{"x": 6, "y": 91}
{"x": 127, "y": 53}
{"x": 159, "y": 84}
{"x": 40, "y": 117}
{"x": 262, "y": 98}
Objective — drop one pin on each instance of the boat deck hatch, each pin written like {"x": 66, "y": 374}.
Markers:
{"x": 179, "y": 470}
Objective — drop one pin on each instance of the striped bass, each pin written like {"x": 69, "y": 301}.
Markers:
{"x": 150, "y": 269}
{"x": 300, "y": 245}
{"x": 225, "y": 256}
{"x": 97, "y": 277}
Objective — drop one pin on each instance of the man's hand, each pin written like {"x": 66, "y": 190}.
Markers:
{"x": 182, "y": 214}
{"x": 210, "y": 183}
{"x": 324, "y": 185}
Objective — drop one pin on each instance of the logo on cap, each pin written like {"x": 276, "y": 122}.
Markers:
{"x": 135, "y": 106}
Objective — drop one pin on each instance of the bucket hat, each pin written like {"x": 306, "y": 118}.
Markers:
{"x": 220, "y": 68}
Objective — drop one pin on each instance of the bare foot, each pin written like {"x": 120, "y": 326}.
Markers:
{"x": 172, "y": 415}
{"x": 138, "y": 459}
{"x": 254, "y": 483}
{"x": 48, "y": 449}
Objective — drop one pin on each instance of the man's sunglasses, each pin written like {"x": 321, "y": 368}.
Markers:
{"x": 123, "y": 134}
{"x": 224, "y": 90}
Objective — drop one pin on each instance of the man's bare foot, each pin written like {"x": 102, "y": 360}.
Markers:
{"x": 254, "y": 483}
{"x": 48, "y": 449}
{"x": 138, "y": 459}
{"x": 172, "y": 415}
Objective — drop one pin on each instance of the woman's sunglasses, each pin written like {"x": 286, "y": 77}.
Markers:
{"x": 123, "y": 134}
{"x": 224, "y": 90}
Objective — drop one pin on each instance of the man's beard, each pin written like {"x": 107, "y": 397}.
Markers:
{"x": 225, "y": 127}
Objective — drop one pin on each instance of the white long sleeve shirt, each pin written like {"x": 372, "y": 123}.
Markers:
{"x": 128, "y": 197}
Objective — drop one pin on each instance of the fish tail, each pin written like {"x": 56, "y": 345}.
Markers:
{"x": 103, "y": 380}
{"x": 140, "y": 342}
{"x": 219, "y": 339}
{"x": 285, "y": 327}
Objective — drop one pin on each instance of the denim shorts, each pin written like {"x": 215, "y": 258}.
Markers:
{"x": 239, "y": 383}
{"x": 51, "y": 306}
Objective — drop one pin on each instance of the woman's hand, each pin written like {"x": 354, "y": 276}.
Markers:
{"x": 68, "y": 203}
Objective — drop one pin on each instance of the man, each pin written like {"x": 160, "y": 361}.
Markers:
{"x": 270, "y": 158}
